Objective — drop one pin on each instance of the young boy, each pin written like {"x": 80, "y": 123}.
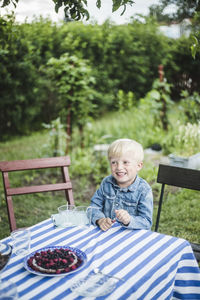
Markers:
{"x": 123, "y": 196}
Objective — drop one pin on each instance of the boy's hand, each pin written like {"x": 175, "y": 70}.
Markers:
{"x": 104, "y": 223}
{"x": 123, "y": 216}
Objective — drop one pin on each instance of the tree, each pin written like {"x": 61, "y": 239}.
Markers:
{"x": 156, "y": 11}
{"x": 71, "y": 78}
{"x": 77, "y": 9}
{"x": 195, "y": 47}
{"x": 184, "y": 9}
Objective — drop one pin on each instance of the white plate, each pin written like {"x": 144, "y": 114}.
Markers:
{"x": 94, "y": 285}
{"x": 77, "y": 251}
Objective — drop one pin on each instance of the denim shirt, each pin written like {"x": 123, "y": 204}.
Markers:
{"x": 137, "y": 199}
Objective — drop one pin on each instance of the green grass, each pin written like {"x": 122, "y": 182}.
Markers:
{"x": 31, "y": 209}
{"x": 180, "y": 214}
{"x": 26, "y": 147}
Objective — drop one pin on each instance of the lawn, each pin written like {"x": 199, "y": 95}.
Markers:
{"x": 180, "y": 213}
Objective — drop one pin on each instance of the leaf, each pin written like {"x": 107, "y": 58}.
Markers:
{"x": 7, "y": 2}
{"x": 193, "y": 50}
{"x": 98, "y": 3}
{"x": 153, "y": 94}
{"x": 119, "y": 3}
{"x": 116, "y": 5}
{"x": 75, "y": 9}
{"x": 85, "y": 13}
{"x": 58, "y": 5}
{"x": 194, "y": 46}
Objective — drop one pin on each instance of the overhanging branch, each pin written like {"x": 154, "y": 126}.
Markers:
{"x": 77, "y": 9}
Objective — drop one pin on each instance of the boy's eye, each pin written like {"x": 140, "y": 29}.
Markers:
{"x": 126, "y": 162}
{"x": 113, "y": 162}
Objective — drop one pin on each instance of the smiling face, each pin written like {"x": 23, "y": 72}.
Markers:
{"x": 124, "y": 168}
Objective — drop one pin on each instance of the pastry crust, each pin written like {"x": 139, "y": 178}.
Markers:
{"x": 54, "y": 261}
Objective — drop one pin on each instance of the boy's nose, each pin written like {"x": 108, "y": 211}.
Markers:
{"x": 119, "y": 165}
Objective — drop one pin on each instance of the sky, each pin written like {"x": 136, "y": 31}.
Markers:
{"x": 27, "y": 9}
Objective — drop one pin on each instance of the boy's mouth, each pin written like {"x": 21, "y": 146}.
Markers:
{"x": 120, "y": 174}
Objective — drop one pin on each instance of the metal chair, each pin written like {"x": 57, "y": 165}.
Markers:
{"x": 179, "y": 177}
{"x": 7, "y": 167}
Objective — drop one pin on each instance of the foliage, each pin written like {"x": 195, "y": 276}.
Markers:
{"x": 17, "y": 72}
{"x": 70, "y": 77}
{"x": 136, "y": 123}
{"x": 125, "y": 101}
{"x": 195, "y": 46}
{"x": 135, "y": 46}
{"x": 112, "y": 49}
{"x": 191, "y": 106}
{"x": 188, "y": 139}
{"x": 142, "y": 122}
{"x": 121, "y": 57}
{"x": 91, "y": 42}
{"x": 164, "y": 92}
{"x": 184, "y": 140}
{"x": 158, "y": 102}
{"x": 183, "y": 76}
{"x": 156, "y": 11}
{"x": 184, "y": 9}
{"x": 7, "y": 2}
{"x": 26, "y": 47}
{"x": 24, "y": 104}
{"x": 57, "y": 137}
{"x": 77, "y": 9}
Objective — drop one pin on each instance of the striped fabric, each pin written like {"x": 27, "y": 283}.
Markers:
{"x": 153, "y": 266}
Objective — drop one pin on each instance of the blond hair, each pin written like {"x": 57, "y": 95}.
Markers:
{"x": 122, "y": 146}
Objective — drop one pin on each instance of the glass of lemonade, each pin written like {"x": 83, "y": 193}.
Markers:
{"x": 66, "y": 214}
{"x": 80, "y": 216}
{"x": 21, "y": 240}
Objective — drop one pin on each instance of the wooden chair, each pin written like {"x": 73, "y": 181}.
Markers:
{"x": 41, "y": 163}
{"x": 179, "y": 177}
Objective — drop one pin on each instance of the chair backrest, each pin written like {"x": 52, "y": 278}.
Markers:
{"x": 179, "y": 177}
{"x": 176, "y": 176}
{"x": 41, "y": 163}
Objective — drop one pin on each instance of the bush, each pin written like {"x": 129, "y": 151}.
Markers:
{"x": 182, "y": 70}
{"x": 122, "y": 57}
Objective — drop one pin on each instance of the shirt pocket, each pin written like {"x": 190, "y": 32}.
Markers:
{"x": 130, "y": 206}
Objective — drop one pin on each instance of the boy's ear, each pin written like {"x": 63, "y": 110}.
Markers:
{"x": 139, "y": 166}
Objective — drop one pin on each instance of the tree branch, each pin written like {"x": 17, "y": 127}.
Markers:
{"x": 77, "y": 9}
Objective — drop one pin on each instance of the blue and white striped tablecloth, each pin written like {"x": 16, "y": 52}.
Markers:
{"x": 153, "y": 266}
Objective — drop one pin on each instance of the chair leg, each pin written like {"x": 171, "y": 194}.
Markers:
{"x": 159, "y": 207}
{"x": 11, "y": 215}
